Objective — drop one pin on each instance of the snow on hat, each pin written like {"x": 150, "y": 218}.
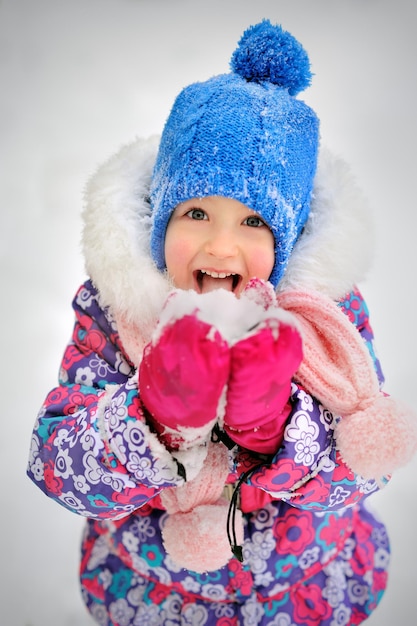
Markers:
{"x": 245, "y": 136}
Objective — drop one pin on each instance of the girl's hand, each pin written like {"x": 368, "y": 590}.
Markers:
{"x": 262, "y": 366}
{"x": 183, "y": 373}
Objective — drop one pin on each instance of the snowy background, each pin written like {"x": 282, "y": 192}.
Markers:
{"x": 80, "y": 78}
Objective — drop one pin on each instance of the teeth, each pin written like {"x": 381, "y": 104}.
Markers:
{"x": 217, "y": 274}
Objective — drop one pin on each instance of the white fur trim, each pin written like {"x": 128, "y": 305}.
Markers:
{"x": 331, "y": 256}
{"x": 115, "y": 239}
{"x": 335, "y": 250}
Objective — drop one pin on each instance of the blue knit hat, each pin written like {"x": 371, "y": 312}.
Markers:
{"x": 245, "y": 136}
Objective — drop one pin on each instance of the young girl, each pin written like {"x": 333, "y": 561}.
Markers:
{"x": 218, "y": 419}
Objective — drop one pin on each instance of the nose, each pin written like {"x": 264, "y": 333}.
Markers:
{"x": 222, "y": 244}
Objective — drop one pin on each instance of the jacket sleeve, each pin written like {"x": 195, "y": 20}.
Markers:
{"x": 308, "y": 471}
{"x": 91, "y": 449}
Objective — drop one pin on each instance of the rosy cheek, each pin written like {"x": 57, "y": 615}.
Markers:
{"x": 175, "y": 254}
{"x": 263, "y": 264}
{"x": 177, "y": 258}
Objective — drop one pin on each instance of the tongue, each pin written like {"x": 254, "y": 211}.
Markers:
{"x": 210, "y": 284}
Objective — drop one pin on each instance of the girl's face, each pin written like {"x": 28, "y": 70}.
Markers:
{"x": 217, "y": 242}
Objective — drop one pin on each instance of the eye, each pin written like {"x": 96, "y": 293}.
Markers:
{"x": 254, "y": 221}
{"x": 197, "y": 214}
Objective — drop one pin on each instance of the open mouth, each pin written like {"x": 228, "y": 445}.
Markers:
{"x": 208, "y": 280}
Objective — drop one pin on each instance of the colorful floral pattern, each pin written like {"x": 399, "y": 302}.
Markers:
{"x": 313, "y": 552}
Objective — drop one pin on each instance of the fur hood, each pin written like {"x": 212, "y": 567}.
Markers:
{"x": 331, "y": 256}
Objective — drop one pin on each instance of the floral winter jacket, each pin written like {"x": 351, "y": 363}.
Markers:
{"x": 320, "y": 499}
{"x": 94, "y": 452}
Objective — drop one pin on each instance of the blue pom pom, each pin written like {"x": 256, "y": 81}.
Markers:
{"x": 267, "y": 53}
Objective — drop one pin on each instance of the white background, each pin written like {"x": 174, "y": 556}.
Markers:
{"x": 80, "y": 78}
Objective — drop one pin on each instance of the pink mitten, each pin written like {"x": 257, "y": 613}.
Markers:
{"x": 182, "y": 375}
{"x": 262, "y": 366}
